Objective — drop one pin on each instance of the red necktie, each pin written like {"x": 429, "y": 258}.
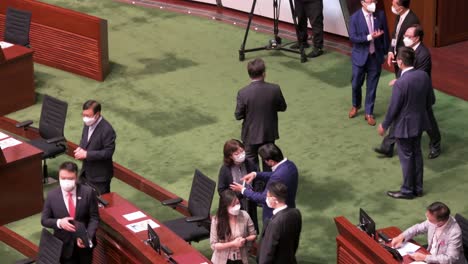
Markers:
{"x": 71, "y": 205}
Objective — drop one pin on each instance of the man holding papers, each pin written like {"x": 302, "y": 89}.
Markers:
{"x": 444, "y": 236}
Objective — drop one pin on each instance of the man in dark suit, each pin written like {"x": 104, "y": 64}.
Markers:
{"x": 282, "y": 233}
{"x": 96, "y": 148}
{"x": 312, "y": 9}
{"x": 405, "y": 18}
{"x": 413, "y": 39}
{"x": 284, "y": 171}
{"x": 412, "y": 97}
{"x": 64, "y": 207}
{"x": 369, "y": 35}
{"x": 258, "y": 105}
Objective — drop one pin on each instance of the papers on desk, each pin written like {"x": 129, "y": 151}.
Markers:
{"x": 134, "y": 216}
{"x": 407, "y": 248}
{"x": 418, "y": 262}
{"x": 3, "y": 135}
{"x": 5, "y": 45}
{"x": 9, "y": 142}
{"x": 142, "y": 226}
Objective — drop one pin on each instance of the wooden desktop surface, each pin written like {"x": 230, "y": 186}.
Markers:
{"x": 113, "y": 234}
{"x": 16, "y": 79}
{"x": 21, "y": 192}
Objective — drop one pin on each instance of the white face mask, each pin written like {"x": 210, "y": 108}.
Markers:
{"x": 67, "y": 185}
{"x": 239, "y": 158}
{"x": 371, "y": 7}
{"x": 234, "y": 210}
{"x": 88, "y": 120}
{"x": 269, "y": 204}
{"x": 408, "y": 42}
{"x": 394, "y": 11}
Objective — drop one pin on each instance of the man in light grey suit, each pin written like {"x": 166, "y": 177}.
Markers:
{"x": 444, "y": 236}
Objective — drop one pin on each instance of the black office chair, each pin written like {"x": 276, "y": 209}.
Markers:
{"x": 17, "y": 26}
{"x": 463, "y": 223}
{"x": 50, "y": 249}
{"x": 51, "y": 125}
{"x": 196, "y": 227}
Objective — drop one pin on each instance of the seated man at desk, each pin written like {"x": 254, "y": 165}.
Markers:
{"x": 444, "y": 236}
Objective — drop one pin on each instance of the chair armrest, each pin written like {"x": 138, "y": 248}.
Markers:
{"x": 23, "y": 124}
{"x": 192, "y": 219}
{"x": 55, "y": 140}
{"x": 172, "y": 202}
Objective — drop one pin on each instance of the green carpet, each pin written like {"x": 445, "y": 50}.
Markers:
{"x": 171, "y": 99}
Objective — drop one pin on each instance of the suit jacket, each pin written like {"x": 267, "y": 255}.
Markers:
{"x": 86, "y": 212}
{"x": 287, "y": 174}
{"x": 422, "y": 60}
{"x": 281, "y": 238}
{"x": 450, "y": 248}
{"x": 98, "y": 166}
{"x": 225, "y": 175}
{"x": 358, "y": 32}
{"x": 410, "y": 20}
{"x": 258, "y": 104}
{"x": 411, "y": 98}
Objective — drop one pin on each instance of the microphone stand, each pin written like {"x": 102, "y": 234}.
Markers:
{"x": 275, "y": 44}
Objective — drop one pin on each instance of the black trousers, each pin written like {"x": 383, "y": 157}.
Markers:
{"x": 101, "y": 187}
{"x": 251, "y": 153}
{"x": 79, "y": 256}
{"x": 409, "y": 152}
{"x": 388, "y": 142}
{"x": 313, "y": 10}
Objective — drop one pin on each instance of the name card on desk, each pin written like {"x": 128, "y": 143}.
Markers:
{"x": 9, "y": 142}
{"x": 134, "y": 216}
{"x": 142, "y": 226}
{"x": 5, "y": 45}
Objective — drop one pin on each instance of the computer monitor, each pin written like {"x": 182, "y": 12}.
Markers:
{"x": 153, "y": 239}
{"x": 366, "y": 223}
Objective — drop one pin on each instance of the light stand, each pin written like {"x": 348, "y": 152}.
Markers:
{"x": 274, "y": 44}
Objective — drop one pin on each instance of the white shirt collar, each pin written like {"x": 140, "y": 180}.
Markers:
{"x": 93, "y": 126}
{"x": 405, "y": 70}
{"x": 65, "y": 194}
{"x": 365, "y": 12}
{"x": 403, "y": 16}
{"x": 276, "y": 166}
{"x": 417, "y": 45}
{"x": 279, "y": 209}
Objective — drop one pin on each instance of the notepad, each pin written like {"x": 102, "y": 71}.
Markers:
{"x": 9, "y": 142}
{"x": 5, "y": 45}
{"x": 134, "y": 216}
{"x": 3, "y": 135}
{"x": 407, "y": 248}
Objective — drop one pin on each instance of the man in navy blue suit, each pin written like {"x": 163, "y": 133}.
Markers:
{"x": 283, "y": 170}
{"x": 412, "y": 97}
{"x": 369, "y": 35}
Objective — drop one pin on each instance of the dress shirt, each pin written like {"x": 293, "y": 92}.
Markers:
{"x": 435, "y": 239}
{"x": 416, "y": 46}
{"x": 65, "y": 200}
{"x": 279, "y": 209}
{"x": 405, "y": 70}
{"x": 92, "y": 127}
{"x": 366, "y": 14}
{"x": 276, "y": 166}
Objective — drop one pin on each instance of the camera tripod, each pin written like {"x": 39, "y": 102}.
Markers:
{"x": 274, "y": 44}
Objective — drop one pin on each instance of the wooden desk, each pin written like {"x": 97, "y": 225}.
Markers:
{"x": 64, "y": 38}
{"x": 16, "y": 80}
{"x": 117, "y": 244}
{"x": 355, "y": 246}
{"x": 21, "y": 193}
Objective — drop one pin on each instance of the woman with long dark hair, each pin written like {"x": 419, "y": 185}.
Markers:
{"x": 231, "y": 230}
{"x": 234, "y": 167}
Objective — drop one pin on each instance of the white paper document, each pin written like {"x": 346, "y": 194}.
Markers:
{"x": 134, "y": 216}
{"x": 142, "y": 226}
{"x": 9, "y": 142}
{"x": 408, "y": 248}
{"x": 5, "y": 45}
{"x": 3, "y": 135}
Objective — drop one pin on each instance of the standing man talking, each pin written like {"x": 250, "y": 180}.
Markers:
{"x": 369, "y": 35}
{"x": 405, "y": 18}
{"x": 412, "y": 97}
{"x": 258, "y": 105}
{"x": 96, "y": 148}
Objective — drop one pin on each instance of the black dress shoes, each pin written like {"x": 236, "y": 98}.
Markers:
{"x": 384, "y": 152}
{"x": 420, "y": 194}
{"x": 400, "y": 195}
{"x": 434, "y": 153}
{"x": 315, "y": 53}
